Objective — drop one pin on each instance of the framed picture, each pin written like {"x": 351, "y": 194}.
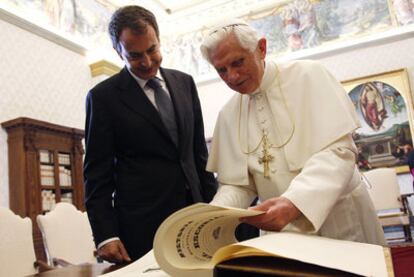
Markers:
{"x": 385, "y": 109}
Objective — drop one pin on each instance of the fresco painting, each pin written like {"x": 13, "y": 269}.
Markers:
{"x": 290, "y": 27}
{"x": 78, "y": 19}
{"x": 385, "y": 136}
{"x": 295, "y": 26}
{"x": 404, "y": 11}
{"x": 303, "y": 24}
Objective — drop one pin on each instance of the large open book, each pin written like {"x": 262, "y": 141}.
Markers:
{"x": 192, "y": 241}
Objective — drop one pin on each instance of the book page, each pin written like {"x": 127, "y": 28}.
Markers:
{"x": 188, "y": 239}
{"x": 193, "y": 240}
{"x": 359, "y": 258}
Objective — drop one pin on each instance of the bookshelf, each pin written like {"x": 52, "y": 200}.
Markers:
{"x": 51, "y": 190}
{"x": 45, "y": 167}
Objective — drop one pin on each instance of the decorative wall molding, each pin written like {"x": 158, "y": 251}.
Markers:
{"x": 396, "y": 34}
{"x": 42, "y": 32}
{"x": 393, "y": 35}
{"x": 103, "y": 67}
{"x": 203, "y": 15}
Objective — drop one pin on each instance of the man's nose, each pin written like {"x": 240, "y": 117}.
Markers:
{"x": 146, "y": 61}
{"x": 233, "y": 75}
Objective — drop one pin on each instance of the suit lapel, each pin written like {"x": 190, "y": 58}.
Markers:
{"x": 134, "y": 97}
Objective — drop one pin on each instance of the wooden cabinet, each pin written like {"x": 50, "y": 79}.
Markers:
{"x": 45, "y": 167}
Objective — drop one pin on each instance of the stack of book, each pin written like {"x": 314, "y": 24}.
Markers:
{"x": 64, "y": 159}
{"x": 65, "y": 177}
{"x": 45, "y": 156}
{"x": 47, "y": 176}
{"x": 66, "y": 197}
{"x": 48, "y": 200}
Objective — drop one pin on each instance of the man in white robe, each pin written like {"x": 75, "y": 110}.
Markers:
{"x": 286, "y": 138}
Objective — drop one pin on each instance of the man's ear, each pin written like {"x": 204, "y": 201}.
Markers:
{"x": 261, "y": 45}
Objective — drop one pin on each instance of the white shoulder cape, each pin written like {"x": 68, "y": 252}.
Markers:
{"x": 311, "y": 111}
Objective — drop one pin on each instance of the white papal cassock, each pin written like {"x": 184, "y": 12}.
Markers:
{"x": 309, "y": 120}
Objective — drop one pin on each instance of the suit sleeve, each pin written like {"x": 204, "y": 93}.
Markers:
{"x": 207, "y": 179}
{"x": 99, "y": 169}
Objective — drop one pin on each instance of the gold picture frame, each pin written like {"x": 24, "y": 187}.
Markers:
{"x": 384, "y": 106}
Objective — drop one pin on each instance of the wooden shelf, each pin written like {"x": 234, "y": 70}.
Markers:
{"x": 36, "y": 151}
{"x": 48, "y": 187}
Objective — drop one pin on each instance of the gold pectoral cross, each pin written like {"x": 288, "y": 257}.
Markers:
{"x": 266, "y": 158}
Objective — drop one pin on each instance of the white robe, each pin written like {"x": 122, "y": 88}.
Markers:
{"x": 309, "y": 120}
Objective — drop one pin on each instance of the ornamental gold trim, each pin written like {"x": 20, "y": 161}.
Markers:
{"x": 103, "y": 67}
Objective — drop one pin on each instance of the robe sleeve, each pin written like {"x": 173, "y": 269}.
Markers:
{"x": 235, "y": 195}
{"x": 225, "y": 157}
{"x": 325, "y": 178}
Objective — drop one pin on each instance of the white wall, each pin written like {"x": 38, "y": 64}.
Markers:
{"x": 41, "y": 80}
{"x": 212, "y": 97}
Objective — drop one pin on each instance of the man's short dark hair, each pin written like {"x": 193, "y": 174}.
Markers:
{"x": 134, "y": 17}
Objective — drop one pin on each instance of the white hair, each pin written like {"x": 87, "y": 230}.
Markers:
{"x": 246, "y": 35}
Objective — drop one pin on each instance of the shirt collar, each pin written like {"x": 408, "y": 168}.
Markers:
{"x": 142, "y": 82}
{"x": 263, "y": 83}
{"x": 268, "y": 77}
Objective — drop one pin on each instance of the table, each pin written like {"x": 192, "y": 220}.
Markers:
{"x": 83, "y": 270}
{"x": 402, "y": 258}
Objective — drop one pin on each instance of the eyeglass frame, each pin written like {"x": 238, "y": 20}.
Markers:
{"x": 226, "y": 27}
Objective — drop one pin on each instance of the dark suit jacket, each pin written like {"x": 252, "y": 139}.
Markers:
{"x": 135, "y": 176}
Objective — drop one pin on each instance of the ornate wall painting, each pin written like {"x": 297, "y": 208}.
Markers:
{"x": 271, "y": 27}
{"x": 403, "y": 11}
{"x": 78, "y": 19}
{"x": 302, "y": 24}
{"x": 290, "y": 27}
{"x": 183, "y": 53}
{"x": 385, "y": 109}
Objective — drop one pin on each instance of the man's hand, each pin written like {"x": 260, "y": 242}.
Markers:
{"x": 279, "y": 211}
{"x": 114, "y": 252}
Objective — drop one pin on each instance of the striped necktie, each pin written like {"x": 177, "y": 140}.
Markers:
{"x": 165, "y": 108}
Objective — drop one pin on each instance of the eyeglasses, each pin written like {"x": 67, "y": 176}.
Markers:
{"x": 227, "y": 27}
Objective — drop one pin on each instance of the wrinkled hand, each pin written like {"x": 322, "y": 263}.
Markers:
{"x": 279, "y": 211}
{"x": 114, "y": 252}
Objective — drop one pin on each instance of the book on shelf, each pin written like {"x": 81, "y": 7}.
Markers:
{"x": 193, "y": 240}
{"x": 48, "y": 200}
{"x": 47, "y": 175}
{"x": 66, "y": 197}
{"x": 47, "y": 180}
{"x": 46, "y": 169}
{"x": 65, "y": 177}
{"x": 64, "y": 159}
{"x": 45, "y": 156}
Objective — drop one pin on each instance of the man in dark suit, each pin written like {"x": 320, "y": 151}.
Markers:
{"x": 145, "y": 146}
